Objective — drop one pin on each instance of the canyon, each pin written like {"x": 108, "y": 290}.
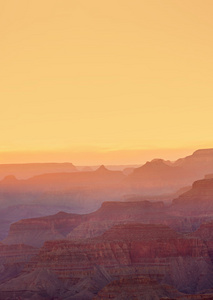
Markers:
{"x": 124, "y": 243}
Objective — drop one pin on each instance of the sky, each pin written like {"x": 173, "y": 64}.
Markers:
{"x": 114, "y": 81}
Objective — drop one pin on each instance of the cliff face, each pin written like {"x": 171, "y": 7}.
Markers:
{"x": 13, "y": 258}
{"x": 80, "y": 269}
{"x": 137, "y": 287}
{"x": 128, "y": 249}
{"x": 40, "y": 284}
{"x": 205, "y": 233}
{"x": 36, "y": 231}
{"x": 144, "y": 288}
{"x": 72, "y": 226}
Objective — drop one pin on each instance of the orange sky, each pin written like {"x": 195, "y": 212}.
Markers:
{"x": 117, "y": 80}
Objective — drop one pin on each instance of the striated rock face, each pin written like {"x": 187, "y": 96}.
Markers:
{"x": 131, "y": 249}
{"x": 205, "y": 233}
{"x": 137, "y": 287}
{"x": 134, "y": 232}
{"x": 16, "y": 253}
{"x": 13, "y": 259}
{"x": 39, "y": 284}
{"x": 36, "y": 231}
{"x": 90, "y": 229}
{"x": 81, "y": 269}
{"x": 72, "y": 226}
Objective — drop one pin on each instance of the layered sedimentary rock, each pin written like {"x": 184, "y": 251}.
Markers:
{"x": 40, "y": 284}
{"x": 83, "y": 268}
{"x": 205, "y": 233}
{"x": 73, "y": 226}
{"x": 36, "y": 231}
{"x": 137, "y": 287}
{"x": 13, "y": 259}
{"x": 144, "y": 288}
{"x": 154, "y": 250}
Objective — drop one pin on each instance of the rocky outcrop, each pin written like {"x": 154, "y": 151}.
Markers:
{"x": 73, "y": 226}
{"x": 205, "y": 233}
{"x": 82, "y": 268}
{"x": 39, "y": 284}
{"x": 128, "y": 249}
{"x": 13, "y": 259}
{"x": 137, "y": 287}
{"x": 36, "y": 231}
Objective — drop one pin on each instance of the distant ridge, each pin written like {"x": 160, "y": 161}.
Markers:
{"x": 160, "y": 174}
{"x": 157, "y": 176}
{"x": 102, "y": 169}
{"x": 27, "y": 170}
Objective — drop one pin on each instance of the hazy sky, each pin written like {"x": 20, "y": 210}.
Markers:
{"x": 82, "y": 80}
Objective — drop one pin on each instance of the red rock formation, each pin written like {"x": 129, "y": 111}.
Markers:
{"x": 129, "y": 249}
{"x": 13, "y": 259}
{"x": 36, "y": 231}
{"x": 137, "y": 287}
{"x": 205, "y": 233}
{"x": 39, "y": 284}
{"x": 86, "y": 266}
